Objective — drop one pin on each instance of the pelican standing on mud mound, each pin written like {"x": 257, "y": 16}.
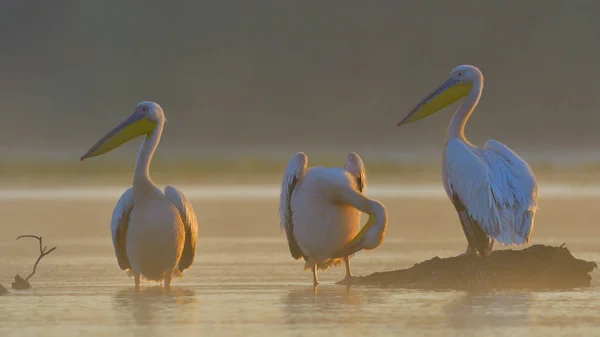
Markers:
{"x": 154, "y": 232}
{"x": 493, "y": 190}
{"x": 320, "y": 209}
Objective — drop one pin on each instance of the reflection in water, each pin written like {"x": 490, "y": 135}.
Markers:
{"x": 510, "y": 309}
{"x": 323, "y": 296}
{"x": 156, "y": 305}
{"x": 323, "y": 305}
{"x": 319, "y": 305}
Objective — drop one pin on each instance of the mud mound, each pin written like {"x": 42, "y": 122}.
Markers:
{"x": 536, "y": 267}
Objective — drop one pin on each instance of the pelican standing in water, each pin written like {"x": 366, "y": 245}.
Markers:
{"x": 320, "y": 210}
{"x": 493, "y": 190}
{"x": 154, "y": 232}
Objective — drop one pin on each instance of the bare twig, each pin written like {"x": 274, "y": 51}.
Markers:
{"x": 43, "y": 253}
{"x": 564, "y": 243}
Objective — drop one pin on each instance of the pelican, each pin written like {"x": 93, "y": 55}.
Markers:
{"x": 492, "y": 189}
{"x": 154, "y": 232}
{"x": 319, "y": 209}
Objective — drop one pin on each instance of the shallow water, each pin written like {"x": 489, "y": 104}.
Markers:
{"x": 246, "y": 284}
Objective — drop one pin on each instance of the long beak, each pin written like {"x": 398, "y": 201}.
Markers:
{"x": 449, "y": 92}
{"x": 134, "y": 126}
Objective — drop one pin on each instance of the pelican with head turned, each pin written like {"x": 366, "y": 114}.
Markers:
{"x": 492, "y": 189}
{"x": 154, "y": 231}
{"x": 320, "y": 207}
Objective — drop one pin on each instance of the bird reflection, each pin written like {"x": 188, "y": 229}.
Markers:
{"x": 152, "y": 305}
{"x": 476, "y": 310}
{"x": 323, "y": 304}
{"x": 323, "y": 296}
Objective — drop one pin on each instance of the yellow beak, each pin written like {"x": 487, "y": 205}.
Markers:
{"x": 134, "y": 126}
{"x": 451, "y": 91}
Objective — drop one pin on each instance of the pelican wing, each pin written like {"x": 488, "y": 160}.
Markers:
{"x": 190, "y": 223}
{"x": 519, "y": 188}
{"x": 118, "y": 226}
{"x": 294, "y": 172}
{"x": 468, "y": 180}
{"x": 491, "y": 193}
{"x": 356, "y": 167}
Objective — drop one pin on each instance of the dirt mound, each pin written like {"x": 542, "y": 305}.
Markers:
{"x": 536, "y": 267}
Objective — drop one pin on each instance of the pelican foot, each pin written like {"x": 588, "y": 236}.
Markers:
{"x": 348, "y": 280}
{"x": 486, "y": 253}
{"x": 470, "y": 251}
{"x": 490, "y": 248}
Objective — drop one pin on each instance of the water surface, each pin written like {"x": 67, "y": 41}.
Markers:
{"x": 245, "y": 283}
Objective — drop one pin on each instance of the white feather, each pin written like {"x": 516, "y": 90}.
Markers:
{"x": 294, "y": 172}
{"x": 190, "y": 224}
{"x": 119, "y": 222}
{"x": 496, "y": 186}
{"x": 320, "y": 209}
{"x": 355, "y": 166}
{"x": 321, "y": 225}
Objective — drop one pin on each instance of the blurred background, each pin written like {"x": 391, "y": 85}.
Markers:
{"x": 244, "y": 85}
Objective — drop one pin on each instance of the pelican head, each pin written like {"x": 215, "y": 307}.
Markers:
{"x": 143, "y": 121}
{"x": 370, "y": 237}
{"x": 456, "y": 87}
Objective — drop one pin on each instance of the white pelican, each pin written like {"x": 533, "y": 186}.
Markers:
{"x": 154, "y": 232}
{"x": 319, "y": 210}
{"x": 493, "y": 190}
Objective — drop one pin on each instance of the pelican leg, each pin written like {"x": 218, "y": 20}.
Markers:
{"x": 491, "y": 246}
{"x": 315, "y": 279}
{"x": 347, "y": 263}
{"x": 138, "y": 279}
{"x": 168, "y": 276}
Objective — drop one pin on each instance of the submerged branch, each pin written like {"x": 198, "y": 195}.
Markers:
{"x": 23, "y": 283}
